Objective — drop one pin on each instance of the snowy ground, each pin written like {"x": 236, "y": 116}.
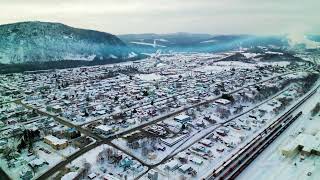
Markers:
{"x": 53, "y": 158}
{"x": 228, "y": 65}
{"x": 115, "y": 170}
{"x": 160, "y": 155}
{"x": 271, "y": 165}
{"x": 225, "y": 66}
{"x": 194, "y": 135}
{"x": 218, "y": 151}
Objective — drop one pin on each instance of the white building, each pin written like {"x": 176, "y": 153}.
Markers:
{"x": 55, "y": 142}
{"x": 104, "y": 129}
{"x": 183, "y": 118}
{"x": 306, "y": 143}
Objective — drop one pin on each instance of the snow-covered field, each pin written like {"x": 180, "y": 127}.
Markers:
{"x": 228, "y": 65}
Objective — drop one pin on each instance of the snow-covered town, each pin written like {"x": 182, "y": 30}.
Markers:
{"x": 159, "y": 90}
{"x": 169, "y": 116}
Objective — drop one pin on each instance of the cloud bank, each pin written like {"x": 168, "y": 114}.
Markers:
{"x": 167, "y": 16}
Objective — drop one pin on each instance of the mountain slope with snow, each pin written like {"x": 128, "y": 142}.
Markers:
{"x": 32, "y": 42}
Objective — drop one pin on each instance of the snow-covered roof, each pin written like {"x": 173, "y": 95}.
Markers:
{"x": 110, "y": 177}
{"x": 70, "y": 175}
{"x": 172, "y": 164}
{"x": 197, "y": 160}
{"x": 54, "y": 140}
{"x": 307, "y": 141}
{"x": 37, "y": 162}
{"x": 185, "y": 167}
{"x": 170, "y": 122}
{"x": 206, "y": 141}
{"x": 182, "y": 117}
{"x": 223, "y": 101}
{"x": 92, "y": 175}
{"x": 104, "y": 128}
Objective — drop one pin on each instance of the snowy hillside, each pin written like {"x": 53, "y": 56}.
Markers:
{"x": 41, "y": 41}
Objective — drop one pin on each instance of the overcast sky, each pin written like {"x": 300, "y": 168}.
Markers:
{"x": 168, "y": 16}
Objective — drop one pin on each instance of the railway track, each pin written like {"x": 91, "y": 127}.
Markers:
{"x": 232, "y": 167}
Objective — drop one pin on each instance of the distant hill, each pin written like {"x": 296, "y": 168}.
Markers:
{"x": 187, "y": 42}
{"x": 263, "y": 54}
{"x": 315, "y": 38}
{"x": 41, "y": 42}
